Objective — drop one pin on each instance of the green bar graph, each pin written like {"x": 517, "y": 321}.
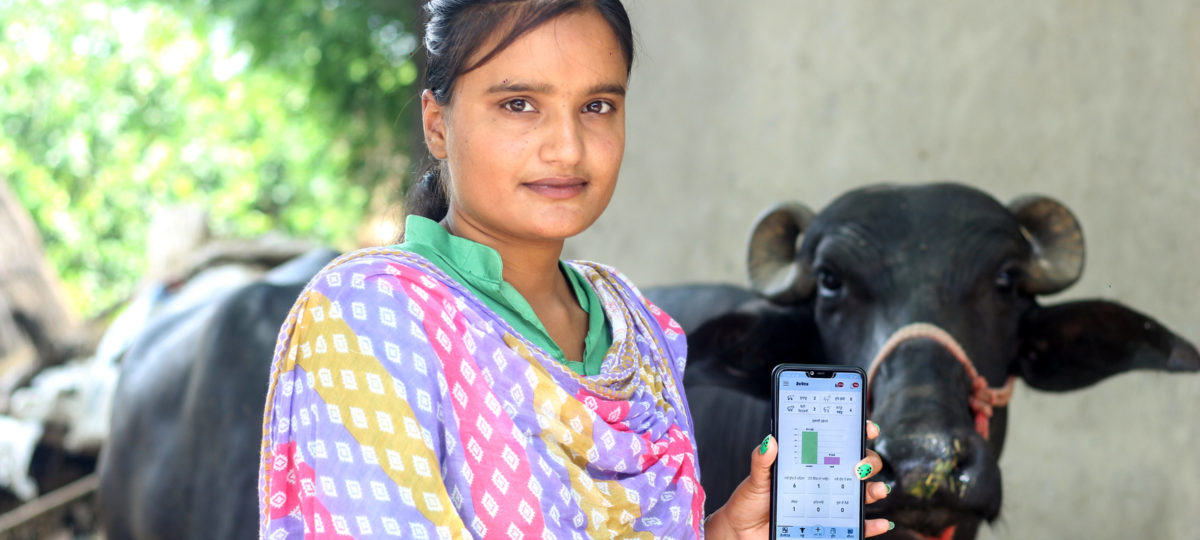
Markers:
{"x": 808, "y": 447}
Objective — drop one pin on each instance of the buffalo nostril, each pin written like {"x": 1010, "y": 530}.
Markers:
{"x": 943, "y": 469}
{"x": 939, "y": 475}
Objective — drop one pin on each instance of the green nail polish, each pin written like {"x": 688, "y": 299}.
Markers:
{"x": 891, "y": 525}
{"x": 863, "y": 470}
{"x": 876, "y": 427}
{"x": 765, "y": 445}
{"x": 889, "y": 487}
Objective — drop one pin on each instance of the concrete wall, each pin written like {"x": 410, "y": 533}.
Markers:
{"x": 735, "y": 105}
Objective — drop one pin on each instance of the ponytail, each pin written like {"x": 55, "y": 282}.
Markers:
{"x": 427, "y": 198}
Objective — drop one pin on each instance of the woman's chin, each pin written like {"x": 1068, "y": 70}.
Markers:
{"x": 559, "y": 225}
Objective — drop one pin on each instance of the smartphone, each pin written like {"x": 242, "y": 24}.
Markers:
{"x": 819, "y": 424}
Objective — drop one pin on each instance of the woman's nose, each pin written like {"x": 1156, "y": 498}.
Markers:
{"x": 562, "y": 141}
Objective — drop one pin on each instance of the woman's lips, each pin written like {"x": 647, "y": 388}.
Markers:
{"x": 558, "y": 188}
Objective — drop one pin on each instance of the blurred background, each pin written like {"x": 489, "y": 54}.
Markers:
{"x": 235, "y": 118}
{"x": 288, "y": 116}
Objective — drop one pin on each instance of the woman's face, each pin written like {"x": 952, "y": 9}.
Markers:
{"x": 533, "y": 138}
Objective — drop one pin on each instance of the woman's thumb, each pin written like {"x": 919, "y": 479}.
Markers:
{"x": 749, "y": 506}
{"x": 761, "y": 460}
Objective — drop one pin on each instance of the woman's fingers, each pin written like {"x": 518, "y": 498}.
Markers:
{"x": 748, "y": 509}
{"x": 872, "y": 430}
{"x": 876, "y": 491}
{"x": 875, "y": 527}
{"x": 869, "y": 466}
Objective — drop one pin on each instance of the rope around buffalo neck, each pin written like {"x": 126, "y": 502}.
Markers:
{"x": 983, "y": 398}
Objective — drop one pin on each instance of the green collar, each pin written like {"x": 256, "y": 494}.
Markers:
{"x": 480, "y": 270}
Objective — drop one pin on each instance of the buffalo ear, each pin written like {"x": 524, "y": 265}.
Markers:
{"x": 1076, "y": 344}
{"x": 771, "y": 259}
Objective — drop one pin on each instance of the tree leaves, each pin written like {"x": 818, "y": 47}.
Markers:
{"x": 110, "y": 111}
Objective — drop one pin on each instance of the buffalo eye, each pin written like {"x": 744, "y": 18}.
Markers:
{"x": 830, "y": 283}
{"x": 1006, "y": 281}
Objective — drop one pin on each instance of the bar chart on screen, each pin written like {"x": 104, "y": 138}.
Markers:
{"x": 822, "y": 447}
{"x": 817, "y": 434}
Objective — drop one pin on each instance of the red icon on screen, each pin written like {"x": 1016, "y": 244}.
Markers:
{"x": 854, "y": 385}
{"x": 840, "y": 384}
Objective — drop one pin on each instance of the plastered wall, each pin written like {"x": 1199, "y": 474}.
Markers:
{"x": 735, "y": 105}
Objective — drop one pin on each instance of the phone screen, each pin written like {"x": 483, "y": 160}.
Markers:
{"x": 819, "y": 427}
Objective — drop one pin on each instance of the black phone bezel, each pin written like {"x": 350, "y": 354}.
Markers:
{"x": 825, "y": 371}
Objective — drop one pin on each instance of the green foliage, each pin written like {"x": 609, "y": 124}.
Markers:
{"x": 109, "y": 111}
{"x": 357, "y": 56}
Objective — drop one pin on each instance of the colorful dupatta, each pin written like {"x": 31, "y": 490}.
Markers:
{"x": 401, "y": 406}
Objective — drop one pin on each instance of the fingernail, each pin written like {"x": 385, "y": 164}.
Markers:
{"x": 876, "y": 426}
{"x": 762, "y": 449}
{"x": 891, "y": 525}
{"x": 889, "y": 487}
{"x": 863, "y": 470}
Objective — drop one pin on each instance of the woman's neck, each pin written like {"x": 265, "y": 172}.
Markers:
{"x": 530, "y": 267}
{"x": 535, "y": 274}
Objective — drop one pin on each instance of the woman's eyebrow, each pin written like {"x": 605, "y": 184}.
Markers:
{"x": 618, "y": 89}
{"x": 505, "y": 87}
{"x": 543, "y": 88}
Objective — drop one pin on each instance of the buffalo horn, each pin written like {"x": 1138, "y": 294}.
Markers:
{"x": 771, "y": 260}
{"x": 1056, "y": 257}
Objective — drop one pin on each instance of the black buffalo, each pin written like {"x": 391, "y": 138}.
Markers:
{"x": 181, "y": 459}
{"x": 932, "y": 289}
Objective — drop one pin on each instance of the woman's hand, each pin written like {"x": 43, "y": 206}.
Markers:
{"x": 747, "y": 513}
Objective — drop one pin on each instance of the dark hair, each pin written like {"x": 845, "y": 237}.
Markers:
{"x": 456, "y": 29}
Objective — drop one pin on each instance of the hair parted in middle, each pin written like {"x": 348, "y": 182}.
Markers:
{"x": 454, "y": 33}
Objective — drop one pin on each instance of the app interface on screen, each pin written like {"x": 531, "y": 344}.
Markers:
{"x": 820, "y": 427}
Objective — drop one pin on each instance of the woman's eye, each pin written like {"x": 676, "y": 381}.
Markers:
{"x": 518, "y": 105}
{"x": 599, "y": 107}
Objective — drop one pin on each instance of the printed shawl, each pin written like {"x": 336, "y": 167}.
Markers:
{"x": 401, "y": 406}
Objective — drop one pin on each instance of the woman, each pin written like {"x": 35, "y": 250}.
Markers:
{"x": 468, "y": 383}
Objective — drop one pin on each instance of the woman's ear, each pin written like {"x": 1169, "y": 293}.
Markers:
{"x": 433, "y": 119}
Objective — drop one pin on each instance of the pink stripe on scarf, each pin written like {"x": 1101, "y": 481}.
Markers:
{"x": 503, "y": 500}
